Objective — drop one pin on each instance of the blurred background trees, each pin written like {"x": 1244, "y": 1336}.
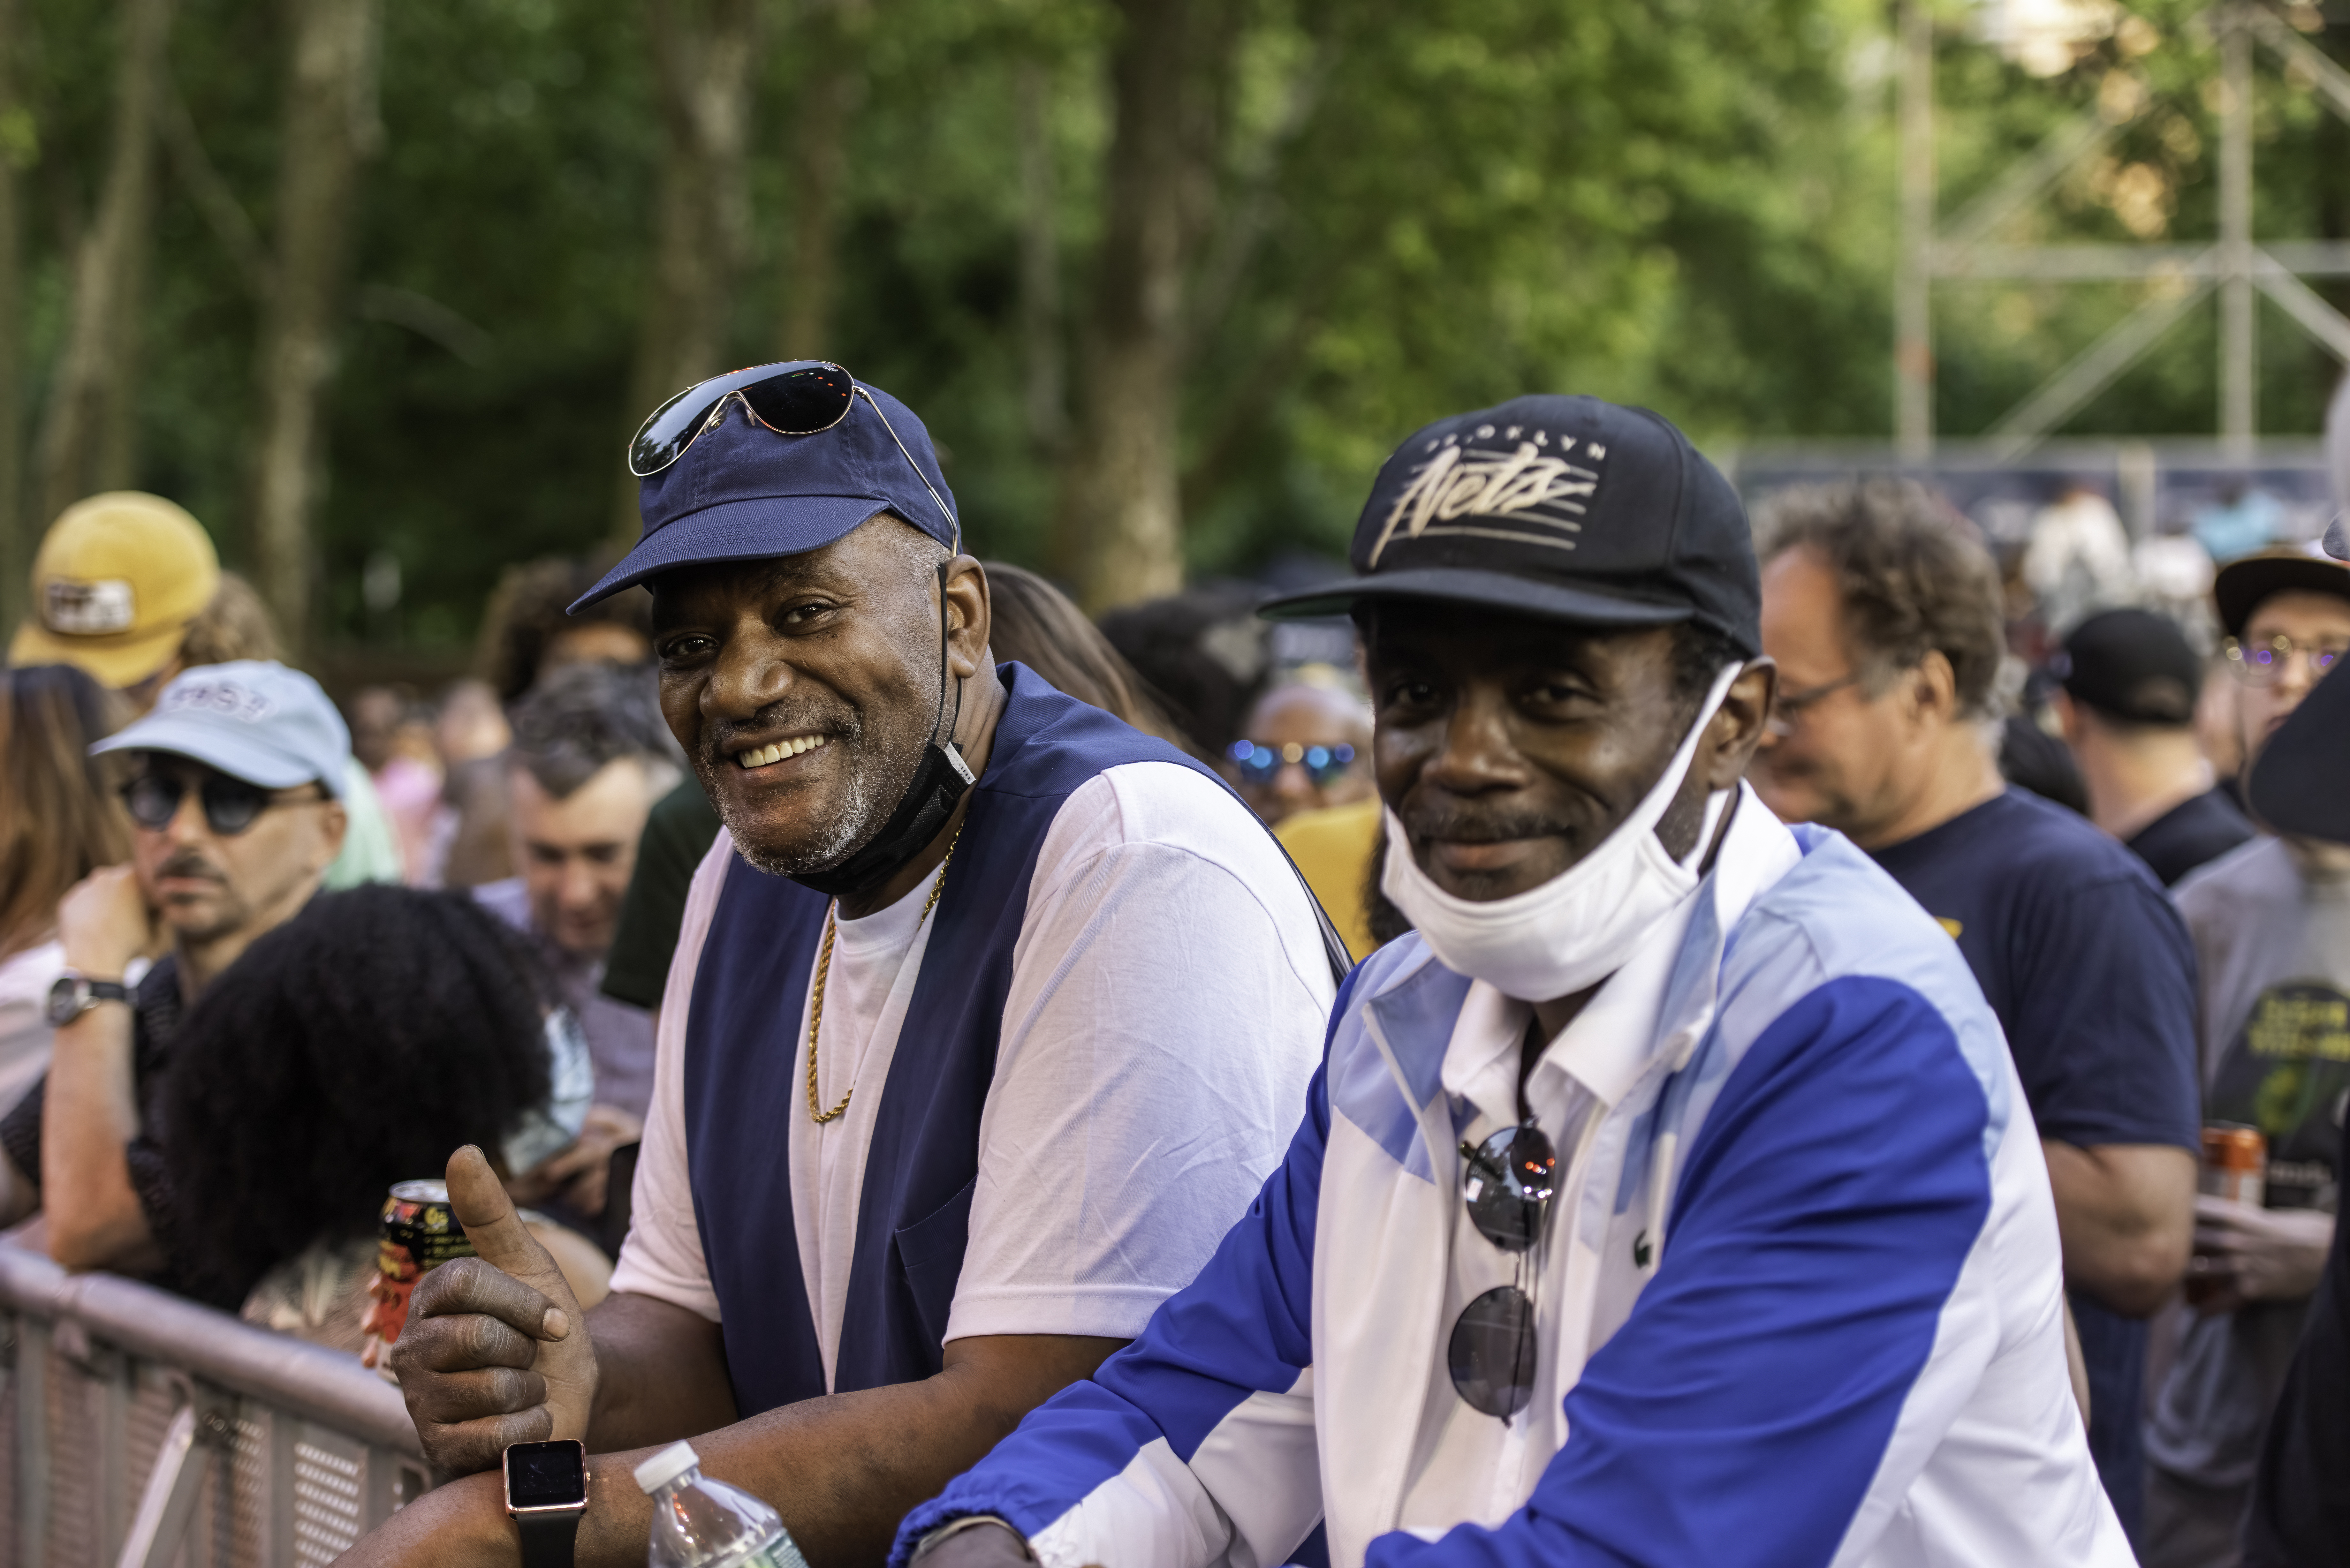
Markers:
{"x": 379, "y": 291}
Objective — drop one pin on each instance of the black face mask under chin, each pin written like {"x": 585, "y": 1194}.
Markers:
{"x": 939, "y": 783}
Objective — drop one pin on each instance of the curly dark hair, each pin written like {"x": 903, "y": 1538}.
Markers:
{"x": 1911, "y": 580}
{"x": 354, "y": 1046}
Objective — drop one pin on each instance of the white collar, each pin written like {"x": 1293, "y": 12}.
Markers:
{"x": 1613, "y": 1041}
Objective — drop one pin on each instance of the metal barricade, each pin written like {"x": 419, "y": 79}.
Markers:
{"x": 139, "y": 1429}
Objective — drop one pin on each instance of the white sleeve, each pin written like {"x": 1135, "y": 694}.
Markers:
{"x": 662, "y": 1256}
{"x": 1168, "y": 1000}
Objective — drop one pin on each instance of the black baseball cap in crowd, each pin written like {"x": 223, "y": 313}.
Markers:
{"x": 1569, "y": 508}
{"x": 741, "y": 492}
{"x": 2240, "y": 586}
{"x": 2131, "y": 665}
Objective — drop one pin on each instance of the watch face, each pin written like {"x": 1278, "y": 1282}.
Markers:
{"x": 547, "y": 1475}
{"x": 65, "y": 1001}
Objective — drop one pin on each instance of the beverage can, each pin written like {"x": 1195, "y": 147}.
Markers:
{"x": 2235, "y": 1162}
{"x": 2235, "y": 1167}
{"x": 420, "y": 1233}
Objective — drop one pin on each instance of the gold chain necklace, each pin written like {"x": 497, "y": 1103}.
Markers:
{"x": 824, "y": 967}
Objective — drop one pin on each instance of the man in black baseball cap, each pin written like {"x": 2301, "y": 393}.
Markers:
{"x": 2271, "y": 928}
{"x": 987, "y": 1013}
{"x": 1615, "y": 1161}
{"x": 2127, "y": 699}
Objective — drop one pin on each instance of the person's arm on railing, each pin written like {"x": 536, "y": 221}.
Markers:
{"x": 95, "y": 1219}
{"x": 495, "y": 1355}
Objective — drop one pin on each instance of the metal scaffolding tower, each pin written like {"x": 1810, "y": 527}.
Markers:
{"x": 2234, "y": 265}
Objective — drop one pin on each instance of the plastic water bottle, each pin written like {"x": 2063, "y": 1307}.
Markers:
{"x": 703, "y": 1523}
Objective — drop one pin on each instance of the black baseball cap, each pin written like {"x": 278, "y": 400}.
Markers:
{"x": 1565, "y": 507}
{"x": 744, "y": 493}
{"x": 2131, "y": 665}
{"x": 2245, "y": 582}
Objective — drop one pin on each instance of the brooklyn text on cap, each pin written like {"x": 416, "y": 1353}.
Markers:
{"x": 1563, "y": 507}
{"x": 743, "y": 493}
{"x": 117, "y": 580}
{"x": 2132, "y": 665}
{"x": 2240, "y": 586}
{"x": 251, "y": 719}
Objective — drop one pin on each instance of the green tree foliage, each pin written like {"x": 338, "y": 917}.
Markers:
{"x": 1418, "y": 205}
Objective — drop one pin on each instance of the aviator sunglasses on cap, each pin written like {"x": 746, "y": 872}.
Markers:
{"x": 801, "y": 397}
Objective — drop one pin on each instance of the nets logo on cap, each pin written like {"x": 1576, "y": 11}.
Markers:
{"x": 1538, "y": 488}
{"x": 89, "y": 609}
{"x": 224, "y": 698}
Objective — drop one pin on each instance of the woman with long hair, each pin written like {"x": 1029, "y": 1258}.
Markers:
{"x": 59, "y": 821}
{"x": 355, "y": 1046}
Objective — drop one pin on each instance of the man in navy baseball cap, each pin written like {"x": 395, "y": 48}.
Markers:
{"x": 966, "y": 946}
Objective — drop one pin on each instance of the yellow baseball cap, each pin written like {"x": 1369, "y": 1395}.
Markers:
{"x": 118, "y": 579}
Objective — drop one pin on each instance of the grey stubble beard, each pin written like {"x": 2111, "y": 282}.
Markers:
{"x": 865, "y": 807}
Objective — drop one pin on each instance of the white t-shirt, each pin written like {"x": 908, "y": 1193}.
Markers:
{"x": 1168, "y": 1000}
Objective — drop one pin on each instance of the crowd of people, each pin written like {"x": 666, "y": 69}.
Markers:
{"x": 1700, "y": 1046}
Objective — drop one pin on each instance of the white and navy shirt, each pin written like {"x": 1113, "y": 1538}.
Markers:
{"x": 1166, "y": 1009}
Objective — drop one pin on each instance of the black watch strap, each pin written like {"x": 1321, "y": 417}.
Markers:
{"x": 108, "y": 991}
{"x": 547, "y": 1538}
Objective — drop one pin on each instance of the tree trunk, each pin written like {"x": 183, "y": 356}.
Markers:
{"x": 828, "y": 95}
{"x": 330, "y": 127}
{"x": 1118, "y": 527}
{"x": 702, "y": 52}
{"x": 16, "y": 540}
{"x": 1044, "y": 367}
{"x": 87, "y": 435}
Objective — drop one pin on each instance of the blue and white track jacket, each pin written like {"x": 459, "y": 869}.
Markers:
{"x": 1851, "y": 1352}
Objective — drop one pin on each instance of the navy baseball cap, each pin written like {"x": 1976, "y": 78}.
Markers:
{"x": 1565, "y": 507}
{"x": 743, "y": 493}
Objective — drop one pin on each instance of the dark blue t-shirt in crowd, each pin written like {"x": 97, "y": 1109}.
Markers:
{"x": 2091, "y": 973}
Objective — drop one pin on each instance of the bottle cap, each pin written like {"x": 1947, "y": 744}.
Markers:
{"x": 666, "y": 1467}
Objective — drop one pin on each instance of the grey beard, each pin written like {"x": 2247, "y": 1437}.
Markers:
{"x": 857, "y": 822}
{"x": 862, "y": 814}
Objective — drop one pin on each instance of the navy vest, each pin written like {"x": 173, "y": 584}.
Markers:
{"x": 744, "y": 1098}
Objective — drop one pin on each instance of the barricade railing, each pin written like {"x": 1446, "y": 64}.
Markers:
{"x": 138, "y": 1429}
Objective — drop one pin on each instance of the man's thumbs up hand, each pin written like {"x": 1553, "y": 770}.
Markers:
{"x": 496, "y": 1350}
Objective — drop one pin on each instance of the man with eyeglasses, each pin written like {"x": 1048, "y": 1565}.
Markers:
{"x": 1667, "y": 1197}
{"x": 1887, "y": 623}
{"x": 231, "y": 791}
{"x": 2271, "y": 924}
{"x": 987, "y": 1016}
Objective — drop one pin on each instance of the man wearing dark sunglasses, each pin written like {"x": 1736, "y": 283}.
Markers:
{"x": 230, "y": 787}
{"x": 988, "y": 1014}
{"x": 1667, "y": 1197}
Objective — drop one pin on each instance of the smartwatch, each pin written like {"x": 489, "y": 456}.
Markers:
{"x": 76, "y": 993}
{"x": 546, "y": 1491}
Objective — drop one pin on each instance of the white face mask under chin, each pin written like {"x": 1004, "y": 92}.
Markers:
{"x": 1577, "y": 928}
